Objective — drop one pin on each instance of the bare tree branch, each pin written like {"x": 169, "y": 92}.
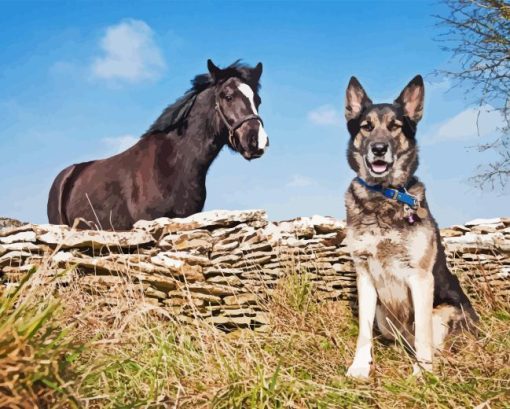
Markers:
{"x": 477, "y": 33}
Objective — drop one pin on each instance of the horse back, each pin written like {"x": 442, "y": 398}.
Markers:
{"x": 60, "y": 191}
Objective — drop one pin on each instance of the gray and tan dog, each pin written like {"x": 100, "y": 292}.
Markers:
{"x": 403, "y": 281}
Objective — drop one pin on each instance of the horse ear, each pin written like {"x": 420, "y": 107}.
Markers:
{"x": 355, "y": 99}
{"x": 257, "y": 71}
{"x": 213, "y": 70}
{"x": 411, "y": 98}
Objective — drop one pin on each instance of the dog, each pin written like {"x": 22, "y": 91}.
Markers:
{"x": 403, "y": 282}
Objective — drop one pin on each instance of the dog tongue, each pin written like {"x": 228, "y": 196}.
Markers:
{"x": 379, "y": 166}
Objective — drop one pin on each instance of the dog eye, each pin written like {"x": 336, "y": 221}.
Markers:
{"x": 228, "y": 98}
{"x": 367, "y": 126}
{"x": 394, "y": 126}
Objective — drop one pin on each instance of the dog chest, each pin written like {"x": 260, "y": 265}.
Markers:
{"x": 391, "y": 257}
{"x": 376, "y": 255}
{"x": 393, "y": 251}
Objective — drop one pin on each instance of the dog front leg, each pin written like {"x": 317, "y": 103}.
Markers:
{"x": 367, "y": 301}
{"x": 422, "y": 293}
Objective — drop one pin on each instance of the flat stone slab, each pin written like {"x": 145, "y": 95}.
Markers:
{"x": 210, "y": 219}
{"x": 64, "y": 237}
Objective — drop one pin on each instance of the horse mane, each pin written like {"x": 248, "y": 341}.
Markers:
{"x": 175, "y": 114}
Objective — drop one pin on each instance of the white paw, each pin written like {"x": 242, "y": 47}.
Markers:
{"x": 419, "y": 368}
{"x": 359, "y": 371}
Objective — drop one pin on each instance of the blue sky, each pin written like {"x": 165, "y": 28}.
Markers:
{"x": 82, "y": 80}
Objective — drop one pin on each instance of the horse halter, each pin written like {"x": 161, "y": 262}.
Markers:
{"x": 237, "y": 124}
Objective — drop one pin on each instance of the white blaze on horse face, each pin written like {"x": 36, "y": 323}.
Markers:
{"x": 248, "y": 93}
{"x": 262, "y": 138}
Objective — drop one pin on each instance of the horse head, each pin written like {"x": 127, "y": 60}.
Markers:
{"x": 236, "y": 103}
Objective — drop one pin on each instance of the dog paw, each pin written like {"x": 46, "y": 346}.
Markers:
{"x": 418, "y": 368}
{"x": 359, "y": 372}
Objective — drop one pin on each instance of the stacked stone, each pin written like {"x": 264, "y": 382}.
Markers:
{"x": 227, "y": 249}
{"x": 7, "y": 222}
{"x": 218, "y": 266}
{"x": 479, "y": 253}
{"x": 313, "y": 246}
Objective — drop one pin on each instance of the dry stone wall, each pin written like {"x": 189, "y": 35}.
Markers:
{"x": 219, "y": 265}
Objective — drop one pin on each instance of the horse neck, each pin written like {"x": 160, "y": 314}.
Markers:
{"x": 194, "y": 149}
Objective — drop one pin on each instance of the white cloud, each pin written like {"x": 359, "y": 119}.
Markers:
{"x": 467, "y": 125}
{"x": 129, "y": 53}
{"x": 120, "y": 143}
{"x": 300, "y": 181}
{"x": 325, "y": 115}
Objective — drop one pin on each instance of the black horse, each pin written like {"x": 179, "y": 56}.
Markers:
{"x": 164, "y": 173}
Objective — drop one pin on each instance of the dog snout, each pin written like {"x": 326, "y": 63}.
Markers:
{"x": 379, "y": 148}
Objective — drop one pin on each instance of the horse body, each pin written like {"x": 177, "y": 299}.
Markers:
{"x": 164, "y": 173}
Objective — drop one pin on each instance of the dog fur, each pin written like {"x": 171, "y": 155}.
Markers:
{"x": 402, "y": 278}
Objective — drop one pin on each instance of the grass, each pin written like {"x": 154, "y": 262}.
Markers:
{"x": 35, "y": 352}
{"x": 66, "y": 351}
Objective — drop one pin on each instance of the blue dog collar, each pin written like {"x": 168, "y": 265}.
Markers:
{"x": 400, "y": 195}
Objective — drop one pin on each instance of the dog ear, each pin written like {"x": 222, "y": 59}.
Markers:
{"x": 213, "y": 70}
{"x": 411, "y": 99}
{"x": 355, "y": 99}
{"x": 257, "y": 72}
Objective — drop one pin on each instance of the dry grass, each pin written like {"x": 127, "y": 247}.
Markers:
{"x": 72, "y": 351}
{"x": 35, "y": 351}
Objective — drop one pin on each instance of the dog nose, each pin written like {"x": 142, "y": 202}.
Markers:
{"x": 379, "y": 149}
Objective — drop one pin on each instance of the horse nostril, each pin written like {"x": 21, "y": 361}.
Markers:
{"x": 379, "y": 149}
{"x": 258, "y": 153}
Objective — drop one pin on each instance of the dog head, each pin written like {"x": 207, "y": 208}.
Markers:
{"x": 382, "y": 148}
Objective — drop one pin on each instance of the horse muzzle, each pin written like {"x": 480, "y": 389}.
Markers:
{"x": 252, "y": 141}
